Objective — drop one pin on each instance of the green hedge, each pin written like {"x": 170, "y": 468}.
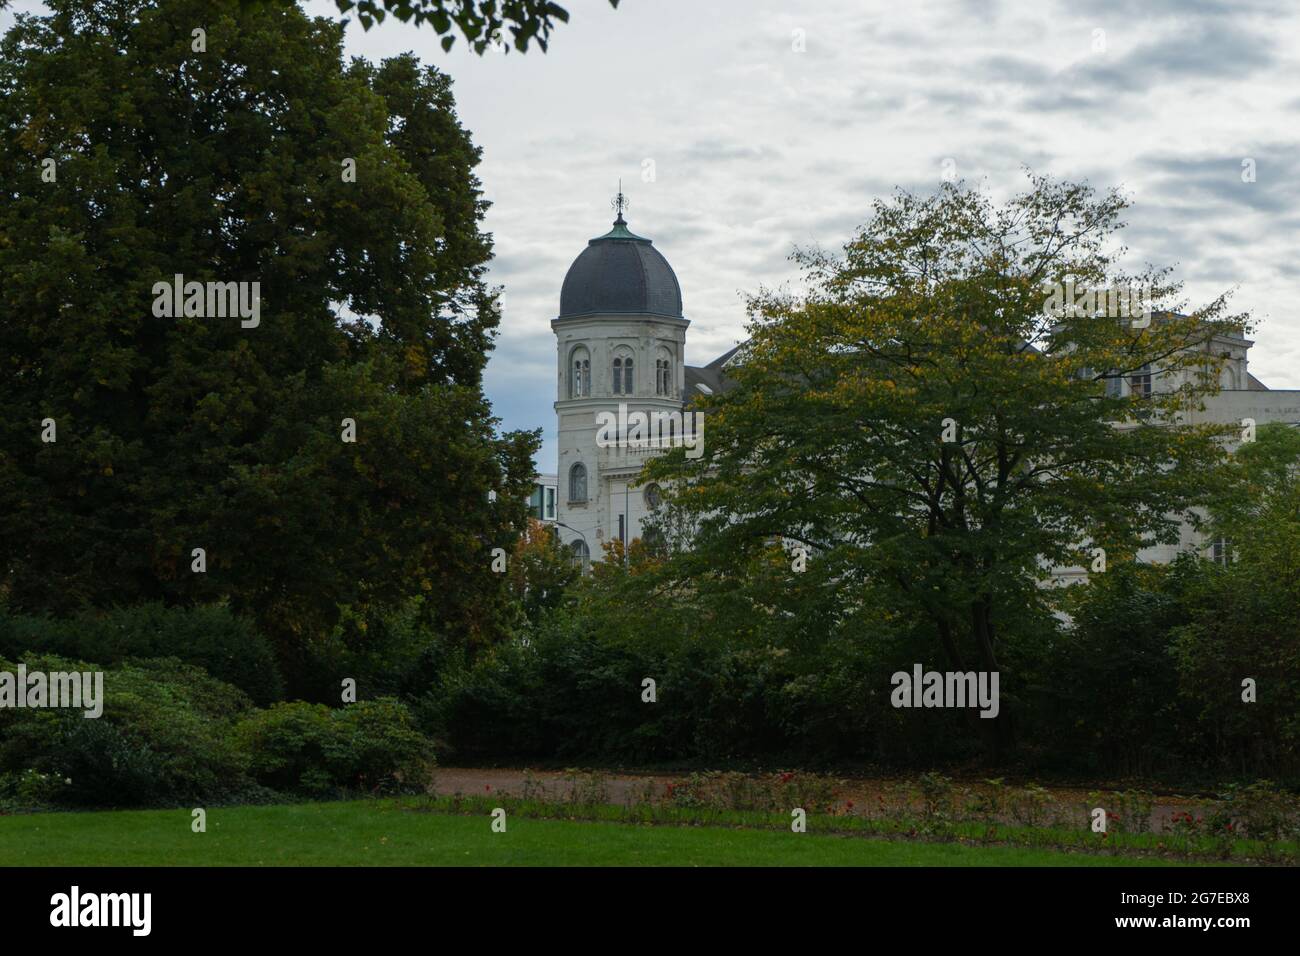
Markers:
{"x": 213, "y": 638}
{"x": 572, "y": 693}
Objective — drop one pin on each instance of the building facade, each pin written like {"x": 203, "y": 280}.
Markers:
{"x": 620, "y": 340}
{"x": 543, "y": 501}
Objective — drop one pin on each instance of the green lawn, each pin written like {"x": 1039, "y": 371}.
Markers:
{"x": 384, "y": 833}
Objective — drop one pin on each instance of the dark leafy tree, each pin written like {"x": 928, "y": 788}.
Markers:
{"x": 928, "y": 430}
{"x": 128, "y": 156}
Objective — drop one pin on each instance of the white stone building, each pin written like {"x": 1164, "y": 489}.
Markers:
{"x": 621, "y": 338}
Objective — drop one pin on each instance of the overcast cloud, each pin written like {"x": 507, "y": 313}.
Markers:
{"x": 756, "y": 147}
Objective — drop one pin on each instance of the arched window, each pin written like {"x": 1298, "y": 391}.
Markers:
{"x": 581, "y": 553}
{"x": 663, "y": 373}
{"x": 652, "y": 496}
{"x": 578, "y": 483}
{"x": 580, "y": 373}
{"x": 623, "y": 373}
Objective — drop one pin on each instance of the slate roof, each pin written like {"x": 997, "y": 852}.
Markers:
{"x": 620, "y": 272}
{"x": 712, "y": 376}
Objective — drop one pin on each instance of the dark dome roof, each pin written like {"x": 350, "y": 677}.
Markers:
{"x": 620, "y": 272}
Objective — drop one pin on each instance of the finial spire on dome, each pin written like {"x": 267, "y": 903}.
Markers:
{"x": 620, "y": 230}
{"x": 620, "y": 203}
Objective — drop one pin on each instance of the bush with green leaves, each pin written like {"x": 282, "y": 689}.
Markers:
{"x": 313, "y": 749}
{"x": 226, "y": 646}
{"x": 389, "y": 652}
{"x": 163, "y": 737}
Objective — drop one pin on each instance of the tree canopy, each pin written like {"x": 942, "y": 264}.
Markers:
{"x": 133, "y": 150}
{"x": 924, "y": 427}
{"x": 484, "y": 24}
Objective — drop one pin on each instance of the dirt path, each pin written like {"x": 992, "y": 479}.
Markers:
{"x": 558, "y": 784}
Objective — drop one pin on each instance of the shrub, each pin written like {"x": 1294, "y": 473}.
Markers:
{"x": 30, "y": 789}
{"x": 1030, "y": 805}
{"x": 375, "y": 744}
{"x": 310, "y": 748}
{"x": 389, "y": 652}
{"x": 937, "y": 796}
{"x": 163, "y": 737}
{"x": 286, "y": 746}
{"x": 1266, "y": 812}
{"x": 213, "y": 638}
{"x": 106, "y": 765}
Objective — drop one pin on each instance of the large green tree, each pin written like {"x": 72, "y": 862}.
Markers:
{"x": 133, "y": 150}
{"x": 935, "y": 437}
{"x": 1245, "y": 613}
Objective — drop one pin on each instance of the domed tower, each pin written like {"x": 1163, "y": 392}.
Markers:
{"x": 620, "y": 340}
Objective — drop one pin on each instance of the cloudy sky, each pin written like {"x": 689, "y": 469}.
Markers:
{"x": 757, "y": 146}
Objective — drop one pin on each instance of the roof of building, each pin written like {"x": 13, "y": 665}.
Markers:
{"x": 709, "y": 379}
{"x": 620, "y": 272}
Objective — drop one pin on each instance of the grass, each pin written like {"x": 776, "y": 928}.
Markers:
{"x": 405, "y": 833}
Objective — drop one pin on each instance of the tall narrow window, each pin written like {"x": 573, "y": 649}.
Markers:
{"x": 581, "y": 553}
{"x": 578, "y": 483}
{"x": 622, "y": 368}
{"x": 550, "y": 504}
{"x": 1219, "y": 551}
{"x": 580, "y": 373}
{"x": 663, "y": 372}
